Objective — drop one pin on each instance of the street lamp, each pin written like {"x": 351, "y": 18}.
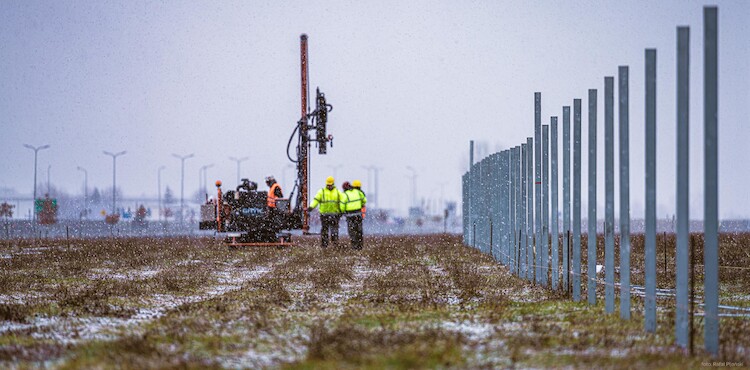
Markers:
{"x": 85, "y": 190}
{"x": 182, "y": 184}
{"x": 374, "y": 183}
{"x": 114, "y": 177}
{"x": 413, "y": 185}
{"x": 238, "y": 160}
{"x": 202, "y": 187}
{"x": 158, "y": 185}
{"x": 36, "y": 151}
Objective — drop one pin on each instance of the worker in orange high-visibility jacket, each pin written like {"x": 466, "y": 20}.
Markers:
{"x": 328, "y": 198}
{"x": 274, "y": 193}
{"x": 352, "y": 201}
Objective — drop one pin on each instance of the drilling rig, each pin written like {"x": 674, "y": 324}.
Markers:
{"x": 243, "y": 214}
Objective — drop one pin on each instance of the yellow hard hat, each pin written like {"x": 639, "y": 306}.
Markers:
{"x": 329, "y": 180}
{"x": 357, "y": 184}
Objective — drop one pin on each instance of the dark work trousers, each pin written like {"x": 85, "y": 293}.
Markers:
{"x": 354, "y": 227}
{"x": 329, "y": 223}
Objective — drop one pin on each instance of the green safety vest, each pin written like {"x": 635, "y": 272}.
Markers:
{"x": 353, "y": 200}
{"x": 328, "y": 200}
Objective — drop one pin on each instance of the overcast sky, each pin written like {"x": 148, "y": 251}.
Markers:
{"x": 411, "y": 83}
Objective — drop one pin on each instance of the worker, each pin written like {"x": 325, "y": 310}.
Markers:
{"x": 352, "y": 202}
{"x": 274, "y": 193}
{"x": 358, "y": 185}
{"x": 329, "y": 199}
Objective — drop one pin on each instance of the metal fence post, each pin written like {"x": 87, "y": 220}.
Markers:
{"x": 576, "y": 200}
{"x": 509, "y": 179}
{"x": 682, "y": 179}
{"x": 538, "y": 181}
{"x": 555, "y": 229}
{"x": 504, "y": 205}
{"x": 624, "y": 193}
{"x": 519, "y": 215}
{"x": 465, "y": 207}
{"x": 711, "y": 137}
{"x": 522, "y": 215}
{"x": 609, "y": 194}
{"x": 545, "y": 205}
{"x": 566, "y": 195}
{"x": 530, "y": 209}
{"x": 650, "y": 236}
{"x": 592, "y": 242}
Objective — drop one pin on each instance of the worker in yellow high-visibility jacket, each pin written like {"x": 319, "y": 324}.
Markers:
{"x": 328, "y": 198}
{"x": 352, "y": 202}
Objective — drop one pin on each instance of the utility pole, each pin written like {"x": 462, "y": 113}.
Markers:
{"x": 238, "y": 160}
{"x": 182, "y": 158}
{"x": 36, "y": 151}
{"x": 85, "y": 190}
{"x": 114, "y": 177}
{"x": 203, "y": 185}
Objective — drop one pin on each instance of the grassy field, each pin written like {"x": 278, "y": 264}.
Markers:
{"x": 402, "y": 302}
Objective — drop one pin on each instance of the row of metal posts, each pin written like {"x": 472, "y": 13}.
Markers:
{"x": 506, "y": 196}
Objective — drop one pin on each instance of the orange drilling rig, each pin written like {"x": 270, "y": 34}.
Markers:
{"x": 243, "y": 214}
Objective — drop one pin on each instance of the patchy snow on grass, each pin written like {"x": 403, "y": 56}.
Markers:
{"x": 68, "y": 330}
{"x": 472, "y": 330}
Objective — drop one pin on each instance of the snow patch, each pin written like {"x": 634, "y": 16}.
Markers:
{"x": 473, "y": 331}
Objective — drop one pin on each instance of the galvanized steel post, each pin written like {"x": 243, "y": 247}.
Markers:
{"x": 505, "y": 205}
{"x": 566, "y": 195}
{"x": 555, "y": 229}
{"x": 538, "y": 181}
{"x": 519, "y": 216}
{"x": 592, "y": 243}
{"x": 509, "y": 179}
{"x": 530, "y": 209}
{"x": 624, "y": 193}
{"x": 524, "y": 239}
{"x": 609, "y": 194}
{"x": 545, "y": 205}
{"x": 650, "y": 236}
{"x": 682, "y": 182}
{"x": 711, "y": 137}
{"x": 513, "y": 208}
{"x": 576, "y": 200}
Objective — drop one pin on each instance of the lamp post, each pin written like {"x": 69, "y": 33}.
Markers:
{"x": 85, "y": 190}
{"x": 158, "y": 185}
{"x": 413, "y": 185}
{"x": 182, "y": 184}
{"x": 114, "y": 177}
{"x": 238, "y": 160}
{"x": 204, "y": 184}
{"x": 374, "y": 183}
{"x": 36, "y": 151}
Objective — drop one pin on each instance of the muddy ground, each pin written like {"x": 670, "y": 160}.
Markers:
{"x": 402, "y": 302}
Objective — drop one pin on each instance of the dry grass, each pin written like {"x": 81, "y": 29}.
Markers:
{"x": 401, "y": 302}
